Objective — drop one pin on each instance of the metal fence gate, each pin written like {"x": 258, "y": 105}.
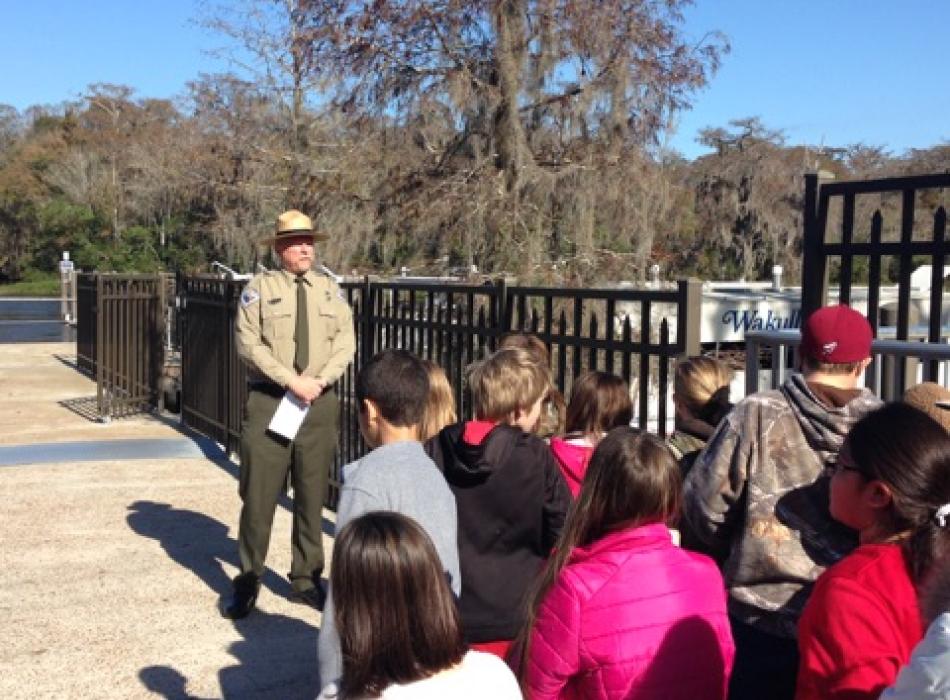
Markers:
{"x": 119, "y": 340}
{"x": 902, "y": 222}
{"x": 213, "y": 378}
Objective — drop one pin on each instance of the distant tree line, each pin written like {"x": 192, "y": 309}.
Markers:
{"x": 517, "y": 136}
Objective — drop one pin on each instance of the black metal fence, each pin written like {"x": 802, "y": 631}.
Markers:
{"x": 87, "y": 313}
{"x": 119, "y": 339}
{"x": 213, "y": 377}
{"x": 832, "y": 232}
{"x": 624, "y": 331}
{"x": 635, "y": 333}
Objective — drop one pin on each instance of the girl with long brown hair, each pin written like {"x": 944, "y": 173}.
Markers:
{"x": 399, "y": 628}
{"x": 599, "y": 402}
{"x": 620, "y": 611}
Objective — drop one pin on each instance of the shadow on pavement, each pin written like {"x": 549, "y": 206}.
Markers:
{"x": 278, "y": 655}
{"x": 276, "y": 659}
{"x": 167, "y": 682}
{"x": 71, "y": 362}
{"x": 85, "y": 407}
{"x": 196, "y": 542}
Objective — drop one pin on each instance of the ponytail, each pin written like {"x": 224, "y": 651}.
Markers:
{"x": 910, "y": 452}
{"x": 929, "y": 541}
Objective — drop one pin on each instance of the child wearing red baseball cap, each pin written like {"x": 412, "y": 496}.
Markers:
{"x": 837, "y": 337}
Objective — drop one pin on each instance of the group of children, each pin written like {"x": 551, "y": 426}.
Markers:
{"x": 479, "y": 559}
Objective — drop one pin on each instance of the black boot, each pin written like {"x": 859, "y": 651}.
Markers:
{"x": 243, "y": 597}
{"x": 315, "y": 597}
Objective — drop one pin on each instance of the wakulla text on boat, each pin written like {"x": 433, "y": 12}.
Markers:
{"x": 752, "y": 320}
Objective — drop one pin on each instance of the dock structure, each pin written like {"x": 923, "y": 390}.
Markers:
{"x": 118, "y": 540}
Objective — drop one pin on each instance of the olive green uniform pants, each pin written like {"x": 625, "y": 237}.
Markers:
{"x": 265, "y": 461}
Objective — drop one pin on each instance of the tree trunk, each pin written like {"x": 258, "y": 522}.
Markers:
{"x": 511, "y": 149}
{"x": 297, "y": 186}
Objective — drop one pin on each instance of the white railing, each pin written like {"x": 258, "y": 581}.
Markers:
{"x": 896, "y": 364}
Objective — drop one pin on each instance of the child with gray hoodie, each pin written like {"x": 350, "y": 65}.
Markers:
{"x": 396, "y": 475}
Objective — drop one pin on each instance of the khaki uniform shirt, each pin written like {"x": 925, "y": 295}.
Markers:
{"x": 266, "y": 320}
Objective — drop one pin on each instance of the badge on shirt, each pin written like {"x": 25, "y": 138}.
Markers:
{"x": 249, "y": 296}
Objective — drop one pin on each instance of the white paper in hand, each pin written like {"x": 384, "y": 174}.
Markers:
{"x": 288, "y": 416}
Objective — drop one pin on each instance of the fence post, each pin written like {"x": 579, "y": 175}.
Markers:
{"x": 64, "y": 288}
{"x": 105, "y": 412}
{"x": 74, "y": 297}
{"x": 813, "y": 267}
{"x": 365, "y": 322}
{"x": 689, "y": 318}
{"x": 224, "y": 375}
{"x": 160, "y": 330}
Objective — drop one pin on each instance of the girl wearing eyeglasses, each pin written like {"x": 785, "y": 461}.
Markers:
{"x": 890, "y": 483}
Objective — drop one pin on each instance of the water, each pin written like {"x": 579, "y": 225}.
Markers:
{"x": 33, "y": 321}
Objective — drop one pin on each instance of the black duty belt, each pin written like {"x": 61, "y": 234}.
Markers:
{"x": 268, "y": 388}
{"x": 276, "y": 390}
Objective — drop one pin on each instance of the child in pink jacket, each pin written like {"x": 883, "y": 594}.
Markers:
{"x": 620, "y": 612}
{"x": 599, "y": 402}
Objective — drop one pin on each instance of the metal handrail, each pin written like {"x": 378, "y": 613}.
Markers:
{"x": 908, "y": 351}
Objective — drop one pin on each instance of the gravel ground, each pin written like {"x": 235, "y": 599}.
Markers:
{"x": 110, "y": 572}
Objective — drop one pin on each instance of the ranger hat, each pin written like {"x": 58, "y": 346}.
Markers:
{"x": 293, "y": 223}
{"x": 837, "y": 335}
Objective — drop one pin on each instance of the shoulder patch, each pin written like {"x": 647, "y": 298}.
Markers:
{"x": 249, "y": 296}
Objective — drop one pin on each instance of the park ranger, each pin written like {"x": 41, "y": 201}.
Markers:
{"x": 295, "y": 332}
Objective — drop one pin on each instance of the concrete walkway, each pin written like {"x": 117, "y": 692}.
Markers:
{"x": 113, "y": 556}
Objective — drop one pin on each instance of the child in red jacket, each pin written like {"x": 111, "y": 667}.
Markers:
{"x": 862, "y": 621}
{"x": 599, "y": 402}
{"x": 621, "y": 613}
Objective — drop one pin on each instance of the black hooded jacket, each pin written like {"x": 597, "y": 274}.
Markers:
{"x": 511, "y": 501}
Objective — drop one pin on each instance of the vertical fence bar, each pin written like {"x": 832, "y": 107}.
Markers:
{"x": 609, "y": 332}
{"x": 592, "y": 350}
{"x": 935, "y": 331}
{"x": 430, "y": 324}
{"x": 643, "y": 380}
{"x": 578, "y": 330}
{"x": 903, "y": 290}
{"x": 548, "y": 320}
{"x": 663, "y": 377}
{"x": 100, "y": 347}
{"x": 874, "y": 288}
{"x": 813, "y": 263}
{"x": 847, "y": 235}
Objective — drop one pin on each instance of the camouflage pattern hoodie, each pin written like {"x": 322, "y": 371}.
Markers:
{"x": 757, "y": 498}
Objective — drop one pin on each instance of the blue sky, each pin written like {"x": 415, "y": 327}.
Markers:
{"x": 830, "y": 72}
